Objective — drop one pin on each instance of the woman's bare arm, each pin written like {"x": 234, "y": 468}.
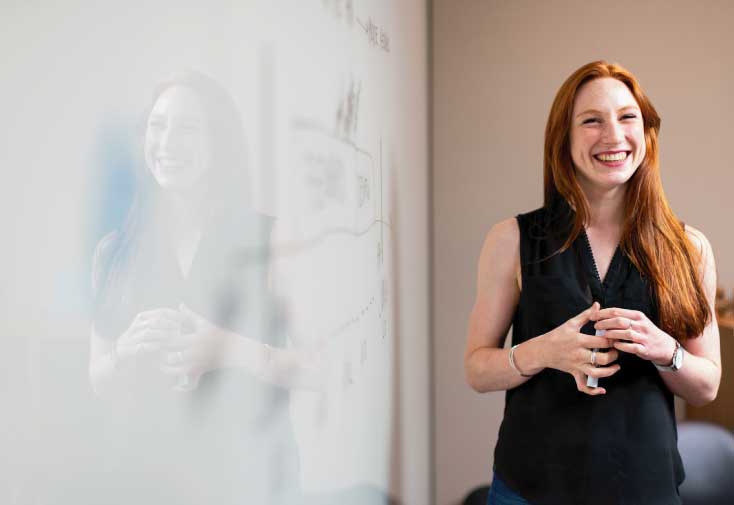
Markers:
{"x": 102, "y": 362}
{"x": 486, "y": 363}
{"x": 698, "y": 380}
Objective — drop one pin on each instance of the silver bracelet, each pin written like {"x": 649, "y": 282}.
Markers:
{"x": 512, "y": 361}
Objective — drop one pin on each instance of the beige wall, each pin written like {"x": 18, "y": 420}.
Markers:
{"x": 496, "y": 68}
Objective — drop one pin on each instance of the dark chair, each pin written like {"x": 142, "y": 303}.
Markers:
{"x": 707, "y": 451}
{"x": 478, "y": 496}
{"x": 361, "y": 494}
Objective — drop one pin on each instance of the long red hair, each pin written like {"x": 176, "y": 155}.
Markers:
{"x": 652, "y": 236}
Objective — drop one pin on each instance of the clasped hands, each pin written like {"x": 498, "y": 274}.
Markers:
{"x": 631, "y": 331}
{"x": 188, "y": 343}
{"x": 625, "y": 330}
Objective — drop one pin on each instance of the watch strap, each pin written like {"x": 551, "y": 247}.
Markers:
{"x": 672, "y": 367}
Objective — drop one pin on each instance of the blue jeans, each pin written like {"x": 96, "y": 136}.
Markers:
{"x": 500, "y": 494}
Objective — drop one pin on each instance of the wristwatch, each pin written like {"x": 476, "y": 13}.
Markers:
{"x": 677, "y": 360}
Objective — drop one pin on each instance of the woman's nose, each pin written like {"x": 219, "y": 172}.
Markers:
{"x": 167, "y": 138}
{"x": 613, "y": 132}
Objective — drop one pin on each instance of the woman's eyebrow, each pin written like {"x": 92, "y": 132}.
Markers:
{"x": 184, "y": 119}
{"x": 588, "y": 111}
{"x": 594, "y": 111}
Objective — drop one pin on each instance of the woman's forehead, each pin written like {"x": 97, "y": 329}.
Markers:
{"x": 603, "y": 93}
{"x": 179, "y": 101}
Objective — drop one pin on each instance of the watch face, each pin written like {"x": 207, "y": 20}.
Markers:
{"x": 678, "y": 358}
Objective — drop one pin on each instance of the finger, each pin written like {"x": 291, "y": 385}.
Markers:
{"x": 162, "y": 313}
{"x": 156, "y": 320}
{"x": 185, "y": 311}
{"x": 595, "y": 308}
{"x": 607, "y": 358}
{"x": 162, "y": 324}
{"x": 585, "y": 316}
{"x": 153, "y": 336}
{"x": 621, "y": 335}
{"x": 611, "y": 312}
{"x": 602, "y": 371}
{"x": 615, "y": 323}
{"x": 137, "y": 324}
{"x": 631, "y": 348}
{"x": 125, "y": 350}
{"x": 144, "y": 335}
{"x": 128, "y": 349}
{"x": 593, "y": 342}
{"x": 581, "y": 386}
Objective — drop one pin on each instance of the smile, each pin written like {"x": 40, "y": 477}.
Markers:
{"x": 170, "y": 163}
{"x": 612, "y": 156}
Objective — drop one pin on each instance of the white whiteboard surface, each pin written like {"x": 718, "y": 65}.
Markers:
{"x": 331, "y": 96}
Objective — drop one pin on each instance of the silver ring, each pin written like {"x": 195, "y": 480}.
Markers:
{"x": 629, "y": 323}
{"x": 593, "y": 357}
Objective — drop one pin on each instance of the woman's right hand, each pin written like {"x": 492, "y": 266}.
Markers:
{"x": 148, "y": 332}
{"x": 570, "y": 350}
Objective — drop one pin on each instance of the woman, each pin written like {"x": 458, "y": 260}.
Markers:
{"x": 603, "y": 282}
{"x": 186, "y": 349}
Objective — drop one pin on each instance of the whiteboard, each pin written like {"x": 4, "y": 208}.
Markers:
{"x": 332, "y": 99}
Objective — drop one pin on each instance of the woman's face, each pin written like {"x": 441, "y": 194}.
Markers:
{"x": 176, "y": 143}
{"x": 607, "y": 134}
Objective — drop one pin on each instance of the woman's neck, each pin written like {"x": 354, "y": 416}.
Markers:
{"x": 186, "y": 227}
{"x": 185, "y": 214}
{"x": 607, "y": 208}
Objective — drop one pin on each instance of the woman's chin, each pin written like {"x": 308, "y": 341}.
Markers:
{"x": 174, "y": 183}
{"x": 612, "y": 179}
{"x": 610, "y": 184}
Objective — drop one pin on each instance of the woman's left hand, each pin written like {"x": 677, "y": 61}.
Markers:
{"x": 631, "y": 331}
{"x": 194, "y": 353}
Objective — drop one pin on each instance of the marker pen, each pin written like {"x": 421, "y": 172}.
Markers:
{"x": 593, "y": 382}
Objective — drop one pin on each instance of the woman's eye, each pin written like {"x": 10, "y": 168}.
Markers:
{"x": 629, "y": 116}
{"x": 188, "y": 127}
{"x": 590, "y": 120}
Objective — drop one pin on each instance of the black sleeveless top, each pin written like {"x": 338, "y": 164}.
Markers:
{"x": 557, "y": 445}
{"x": 230, "y": 440}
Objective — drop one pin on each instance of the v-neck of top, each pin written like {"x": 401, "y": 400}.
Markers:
{"x": 186, "y": 264}
{"x": 609, "y": 276}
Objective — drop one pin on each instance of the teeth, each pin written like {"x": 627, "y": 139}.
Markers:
{"x": 169, "y": 163}
{"x": 612, "y": 157}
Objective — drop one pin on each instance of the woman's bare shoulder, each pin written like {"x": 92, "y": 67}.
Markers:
{"x": 501, "y": 249}
{"x": 698, "y": 239}
{"x": 505, "y": 233}
{"x": 703, "y": 246}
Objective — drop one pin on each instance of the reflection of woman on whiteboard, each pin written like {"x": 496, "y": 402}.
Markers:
{"x": 187, "y": 344}
{"x": 603, "y": 282}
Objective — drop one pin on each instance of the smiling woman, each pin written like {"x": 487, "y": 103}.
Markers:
{"x": 608, "y": 141}
{"x": 601, "y": 284}
{"x": 185, "y": 348}
{"x": 176, "y": 144}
